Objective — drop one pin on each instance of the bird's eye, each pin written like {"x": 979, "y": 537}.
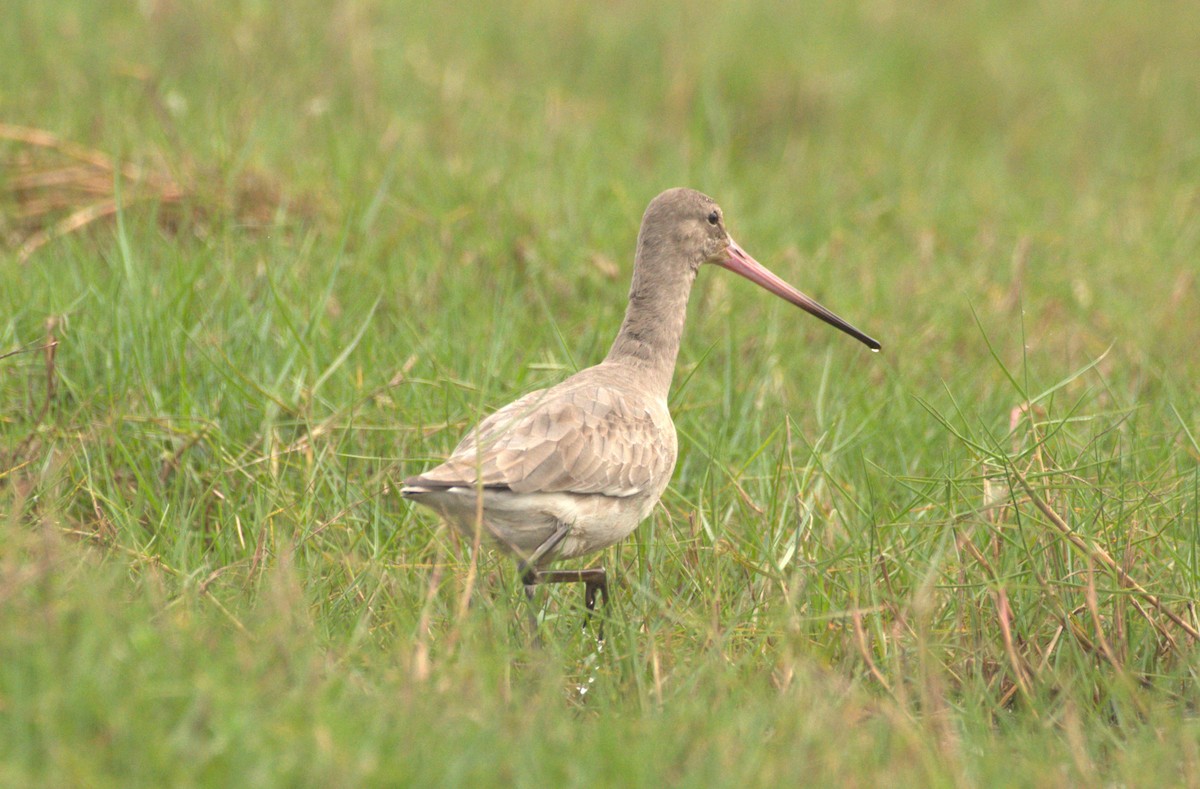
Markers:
{"x": 713, "y": 218}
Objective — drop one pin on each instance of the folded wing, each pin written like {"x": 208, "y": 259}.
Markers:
{"x": 585, "y": 439}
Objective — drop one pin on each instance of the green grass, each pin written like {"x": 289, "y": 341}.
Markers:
{"x": 392, "y": 219}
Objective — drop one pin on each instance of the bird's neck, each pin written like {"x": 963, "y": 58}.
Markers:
{"x": 649, "y": 337}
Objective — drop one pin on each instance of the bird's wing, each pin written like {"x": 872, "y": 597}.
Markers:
{"x": 497, "y": 423}
{"x": 586, "y": 439}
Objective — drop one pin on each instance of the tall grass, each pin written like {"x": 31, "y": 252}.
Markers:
{"x": 262, "y": 262}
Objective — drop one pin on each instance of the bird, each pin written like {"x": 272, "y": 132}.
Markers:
{"x": 569, "y": 470}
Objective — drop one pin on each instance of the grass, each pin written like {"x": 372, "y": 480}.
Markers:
{"x": 324, "y": 239}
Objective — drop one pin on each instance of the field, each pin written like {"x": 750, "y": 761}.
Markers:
{"x": 261, "y": 261}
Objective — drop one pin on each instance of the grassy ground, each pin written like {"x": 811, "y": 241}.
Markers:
{"x": 328, "y": 237}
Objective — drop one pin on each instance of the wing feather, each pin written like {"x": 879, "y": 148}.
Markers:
{"x": 584, "y": 439}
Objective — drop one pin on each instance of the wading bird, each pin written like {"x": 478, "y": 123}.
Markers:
{"x": 566, "y": 471}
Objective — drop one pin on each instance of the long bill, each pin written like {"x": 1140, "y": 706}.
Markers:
{"x": 739, "y": 262}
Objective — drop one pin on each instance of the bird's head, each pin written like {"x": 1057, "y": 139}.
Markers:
{"x": 683, "y": 229}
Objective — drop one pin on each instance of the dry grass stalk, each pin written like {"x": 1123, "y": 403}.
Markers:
{"x": 59, "y": 187}
{"x": 1101, "y": 556}
{"x": 860, "y": 640}
{"x": 45, "y": 187}
{"x": 1022, "y": 673}
{"x": 421, "y": 665}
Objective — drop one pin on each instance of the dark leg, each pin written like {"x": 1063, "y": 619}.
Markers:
{"x": 528, "y": 567}
{"x": 591, "y": 587}
{"x": 530, "y": 581}
{"x": 530, "y": 576}
{"x": 589, "y": 599}
{"x": 594, "y": 579}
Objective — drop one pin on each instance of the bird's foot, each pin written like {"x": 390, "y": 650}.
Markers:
{"x": 598, "y": 583}
{"x": 594, "y": 579}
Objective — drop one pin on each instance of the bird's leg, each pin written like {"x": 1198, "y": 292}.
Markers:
{"x": 598, "y": 582}
{"x": 530, "y": 576}
{"x": 530, "y": 564}
{"x": 529, "y": 579}
{"x": 590, "y": 587}
{"x": 594, "y": 579}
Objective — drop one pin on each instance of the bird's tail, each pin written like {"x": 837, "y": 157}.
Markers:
{"x": 413, "y": 488}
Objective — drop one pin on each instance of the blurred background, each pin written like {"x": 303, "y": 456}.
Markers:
{"x": 259, "y": 261}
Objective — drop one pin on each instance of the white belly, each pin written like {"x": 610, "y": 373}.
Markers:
{"x": 520, "y": 522}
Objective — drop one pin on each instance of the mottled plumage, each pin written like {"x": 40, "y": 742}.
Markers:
{"x": 589, "y": 445}
{"x": 569, "y": 470}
